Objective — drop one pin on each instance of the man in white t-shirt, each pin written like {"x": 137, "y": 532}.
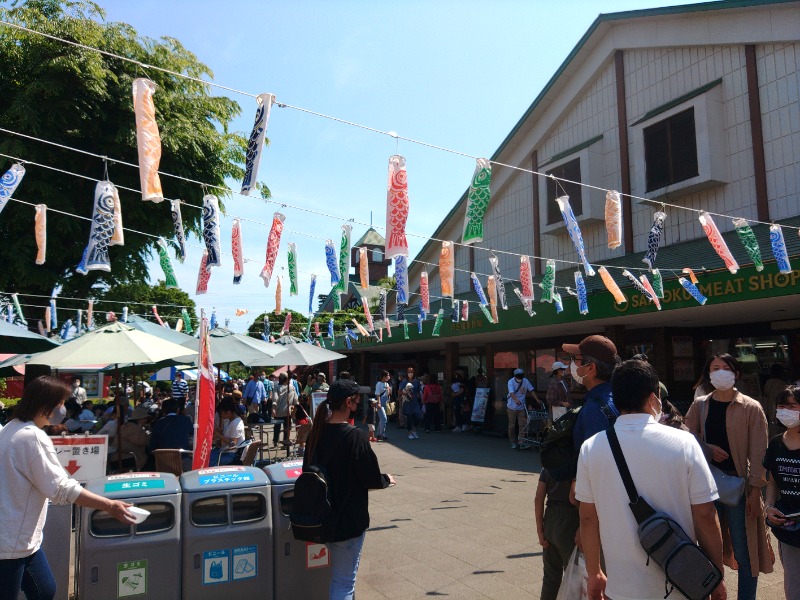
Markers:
{"x": 669, "y": 472}
{"x": 519, "y": 390}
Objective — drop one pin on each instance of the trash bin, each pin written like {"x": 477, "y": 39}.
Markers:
{"x": 227, "y": 534}
{"x": 302, "y": 569}
{"x": 142, "y": 561}
{"x": 57, "y": 547}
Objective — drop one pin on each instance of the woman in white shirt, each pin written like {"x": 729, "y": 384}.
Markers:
{"x": 231, "y": 437}
{"x": 31, "y": 474}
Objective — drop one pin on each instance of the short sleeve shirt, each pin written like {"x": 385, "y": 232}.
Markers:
{"x": 784, "y": 468}
{"x": 517, "y": 392}
{"x": 670, "y": 473}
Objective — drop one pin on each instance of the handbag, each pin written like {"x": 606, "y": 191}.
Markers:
{"x": 686, "y": 566}
{"x": 729, "y": 487}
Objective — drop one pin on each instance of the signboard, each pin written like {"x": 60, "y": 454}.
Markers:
{"x": 131, "y": 578}
{"x": 83, "y": 457}
{"x": 479, "y": 405}
{"x": 317, "y": 398}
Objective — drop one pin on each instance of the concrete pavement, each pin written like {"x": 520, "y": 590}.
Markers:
{"x": 460, "y": 523}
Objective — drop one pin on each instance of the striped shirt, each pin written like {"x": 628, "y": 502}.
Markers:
{"x": 180, "y": 389}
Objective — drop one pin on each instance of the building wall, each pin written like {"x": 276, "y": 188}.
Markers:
{"x": 779, "y": 85}
{"x": 653, "y": 77}
{"x": 593, "y": 113}
{"x": 656, "y": 76}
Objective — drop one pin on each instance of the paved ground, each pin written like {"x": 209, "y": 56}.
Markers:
{"x": 460, "y": 523}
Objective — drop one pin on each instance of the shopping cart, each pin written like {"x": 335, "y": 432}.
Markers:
{"x": 532, "y": 435}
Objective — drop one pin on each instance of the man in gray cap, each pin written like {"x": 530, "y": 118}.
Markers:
{"x": 519, "y": 391}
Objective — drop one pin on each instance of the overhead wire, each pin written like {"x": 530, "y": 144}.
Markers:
{"x": 339, "y": 120}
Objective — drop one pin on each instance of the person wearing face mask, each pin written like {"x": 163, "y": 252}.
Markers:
{"x": 783, "y": 489}
{"x": 732, "y": 429}
{"x": 557, "y": 391}
{"x": 669, "y": 471}
{"x": 593, "y": 363}
{"x": 32, "y": 475}
{"x": 519, "y": 391}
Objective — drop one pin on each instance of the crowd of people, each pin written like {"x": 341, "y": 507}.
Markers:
{"x": 714, "y": 471}
{"x": 679, "y": 463}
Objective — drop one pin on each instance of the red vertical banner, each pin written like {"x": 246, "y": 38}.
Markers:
{"x": 204, "y": 402}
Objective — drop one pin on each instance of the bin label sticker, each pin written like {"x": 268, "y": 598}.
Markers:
{"x": 215, "y": 566}
{"x": 220, "y": 470}
{"x": 131, "y": 578}
{"x": 133, "y": 485}
{"x": 245, "y": 562}
{"x": 317, "y": 555}
{"x": 224, "y": 478}
{"x": 293, "y": 468}
{"x": 132, "y": 476}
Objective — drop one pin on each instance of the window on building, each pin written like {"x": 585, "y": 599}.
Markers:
{"x": 377, "y": 255}
{"x": 670, "y": 150}
{"x": 569, "y": 170}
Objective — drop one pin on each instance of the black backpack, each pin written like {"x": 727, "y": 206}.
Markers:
{"x": 558, "y": 454}
{"x": 312, "y": 516}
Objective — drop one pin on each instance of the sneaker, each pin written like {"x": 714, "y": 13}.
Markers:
{"x": 465, "y": 428}
{"x": 524, "y": 446}
{"x": 513, "y": 446}
{"x": 411, "y": 436}
{"x": 416, "y": 435}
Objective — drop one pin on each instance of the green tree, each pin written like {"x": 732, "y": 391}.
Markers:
{"x": 168, "y": 301}
{"x": 297, "y": 327}
{"x": 83, "y": 99}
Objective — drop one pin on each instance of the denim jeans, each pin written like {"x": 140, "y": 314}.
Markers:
{"x": 381, "y": 432}
{"x": 345, "y": 557}
{"x": 31, "y": 574}
{"x": 735, "y": 515}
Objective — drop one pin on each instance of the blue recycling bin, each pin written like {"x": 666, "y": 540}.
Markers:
{"x": 302, "y": 569}
{"x": 141, "y": 561}
{"x": 227, "y": 534}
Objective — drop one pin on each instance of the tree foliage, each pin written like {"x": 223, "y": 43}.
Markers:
{"x": 83, "y": 99}
{"x": 141, "y": 297}
{"x": 300, "y": 322}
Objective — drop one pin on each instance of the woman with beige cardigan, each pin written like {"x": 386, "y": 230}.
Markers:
{"x": 732, "y": 429}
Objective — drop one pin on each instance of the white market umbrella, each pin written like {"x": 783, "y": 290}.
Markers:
{"x": 228, "y": 347}
{"x": 298, "y": 354}
{"x": 116, "y": 343}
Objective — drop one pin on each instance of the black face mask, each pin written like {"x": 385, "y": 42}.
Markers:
{"x": 518, "y": 377}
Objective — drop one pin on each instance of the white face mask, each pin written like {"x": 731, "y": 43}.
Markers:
{"x": 788, "y": 418}
{"x": 657, "y": 414}
{"x": 573, "y": 370}
{"x": 722, "y": 379}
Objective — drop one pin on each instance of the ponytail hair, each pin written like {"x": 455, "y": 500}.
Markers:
{"x": 324, "y": 412}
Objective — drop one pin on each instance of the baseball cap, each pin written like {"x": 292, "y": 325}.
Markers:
{"x": 598, "y": 347}
{"x": 344, "y": 388}
{"x": 519, "y": 372}
{"x": 558, "y": 365}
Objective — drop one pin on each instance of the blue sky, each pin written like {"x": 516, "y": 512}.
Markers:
{"x": 455, "y": 74}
